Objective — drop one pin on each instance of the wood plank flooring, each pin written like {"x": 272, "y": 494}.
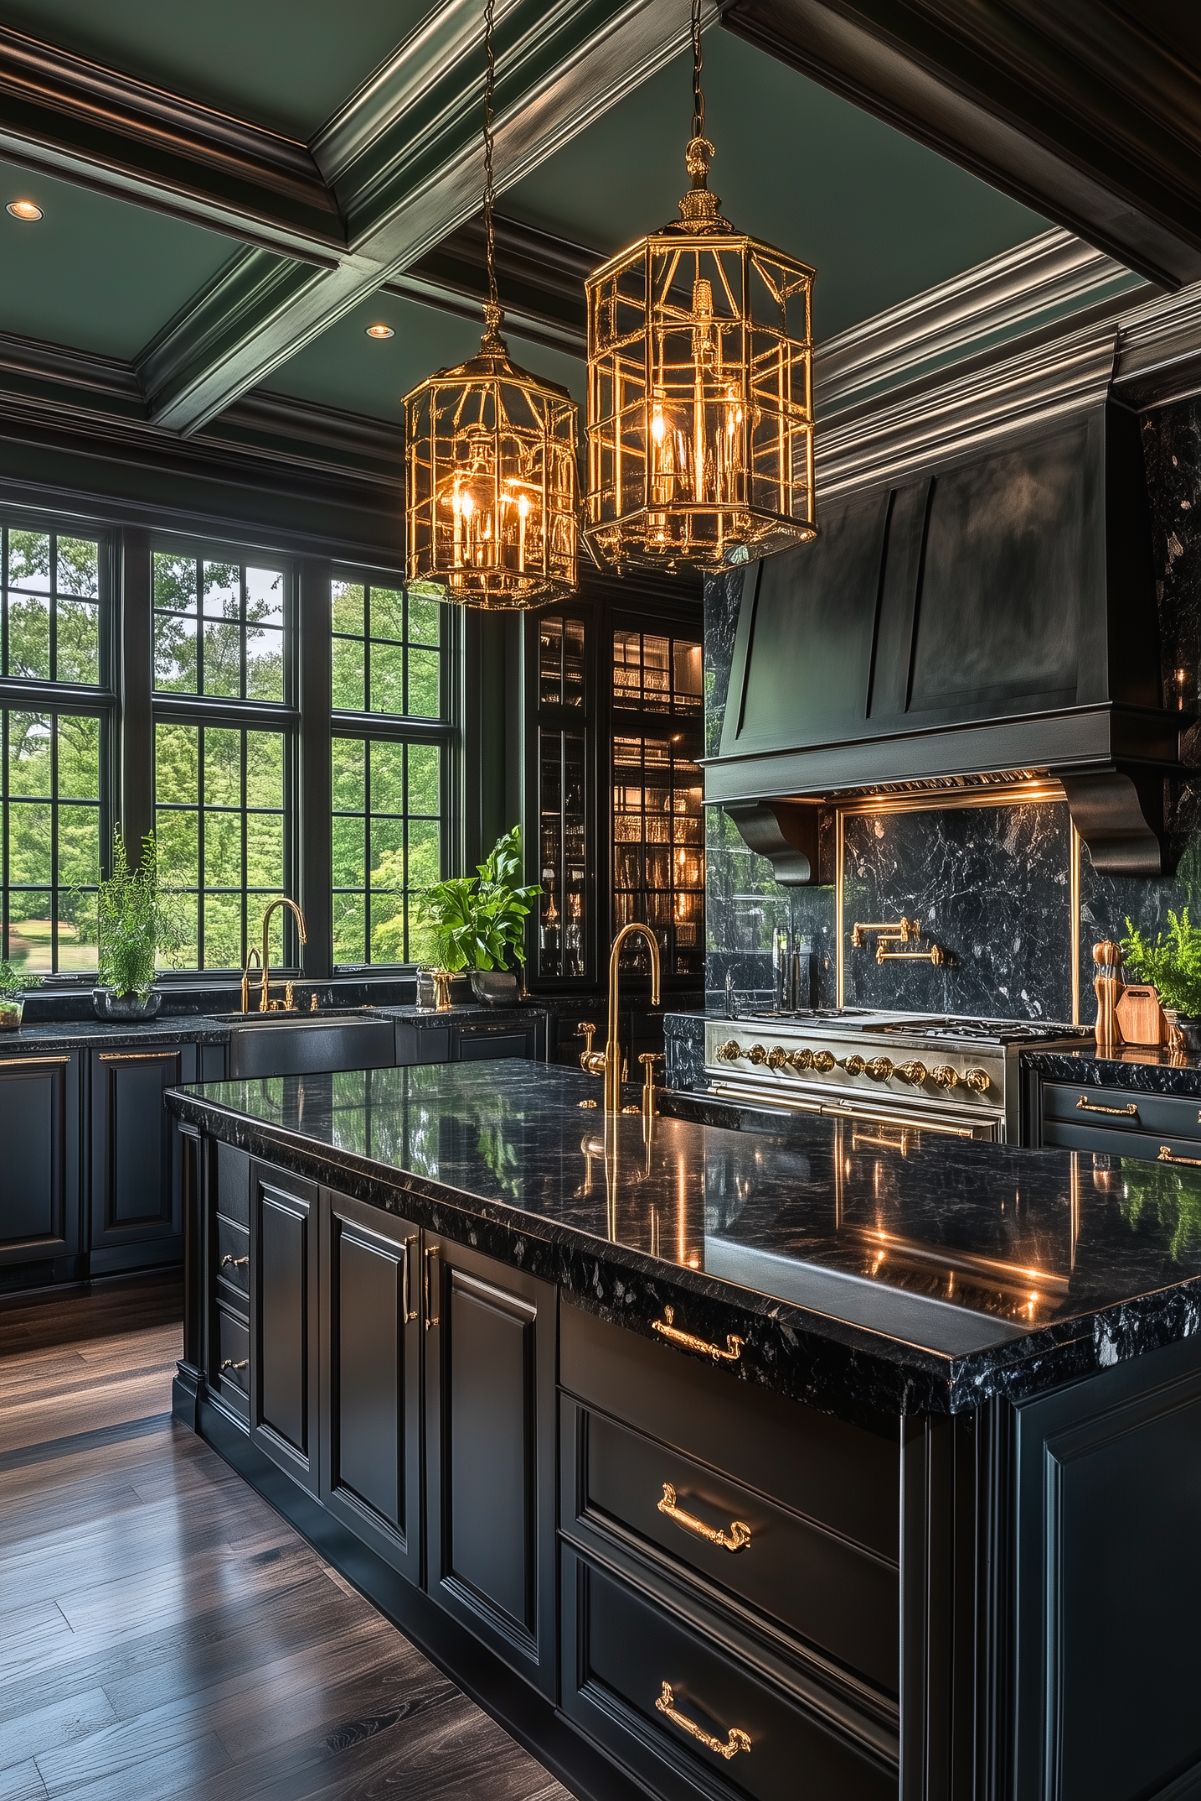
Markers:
{"x": 163, "y": 1633}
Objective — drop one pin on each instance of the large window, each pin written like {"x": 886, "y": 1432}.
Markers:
{"x": 223, "y": 749}
{"x": 55, "y": 707}
{"x": 392, "y": 738}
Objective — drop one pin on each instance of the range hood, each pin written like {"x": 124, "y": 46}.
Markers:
{"x": 996, "y": 614}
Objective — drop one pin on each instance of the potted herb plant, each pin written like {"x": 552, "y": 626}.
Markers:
{"x": 135, "y": 926}
{"x": 1171, "y": 963}
{"x": 15, "y": 984}
{"x": 477, "y": 923}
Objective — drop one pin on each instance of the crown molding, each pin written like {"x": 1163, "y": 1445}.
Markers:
{"x": 1050, "y": 282}
{"x": 109, "y": 131}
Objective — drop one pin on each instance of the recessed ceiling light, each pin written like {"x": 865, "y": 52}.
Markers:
{"x": 26, "y": 210}
{"x": 380, "y": 331}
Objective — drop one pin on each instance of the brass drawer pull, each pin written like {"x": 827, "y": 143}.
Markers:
{"x": 1130, "y": 1111}
{"x": 32, "y": 1062}
{"x": 734, "y": 1537}
{"x": 229, "y": 1261}
{"x": 139, "y": 1056}
{"x": 431, "y": 1318}
{"x": 1168, "y": 1155}
{"x": 666, "y": 1328}
{"x": 408, "y": 1312}
{"x": 736, "y": 1739}
{"x": 227, "y": 1363}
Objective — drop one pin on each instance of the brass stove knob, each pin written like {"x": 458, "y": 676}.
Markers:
{"x": 729, "y": 1052}
{"x": 945, "y": 1076}
{"x": 777, "y": 1057}
{"x": 912, "y": 1072}
{"x": 799, "y": 1060}
{"x": 978, "y": 1080}
{"x": 823, "y": 1060}
{"x": 757, "y": 1054}
{"x": 879, "y": 1069}
{"x": 854, "y": 1065}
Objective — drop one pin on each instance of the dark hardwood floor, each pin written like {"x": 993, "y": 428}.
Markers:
{"x": 162, "y": 1631}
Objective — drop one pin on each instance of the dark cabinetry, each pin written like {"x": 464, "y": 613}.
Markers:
{"x": 40, "y": 1136}
{"x": 1113, "y": 1122}
{"x": 283, "y": 1321}
{"x": 472, "y": 1040}
{"x": 135, "y": 1193}
{"x": 490, "y": 1397}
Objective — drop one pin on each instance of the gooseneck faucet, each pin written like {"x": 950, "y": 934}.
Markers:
{"x": 610, "y": 1063}
{"x": 303, "y": 932}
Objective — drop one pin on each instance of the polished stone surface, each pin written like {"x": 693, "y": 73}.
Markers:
{"x": 1141, "y": 1071}
{"x": 683, "y": 1050}
{"x": 865, "y": 1270}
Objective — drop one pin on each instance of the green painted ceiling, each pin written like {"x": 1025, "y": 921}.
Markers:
{"x": 288, "y": 64}
{"x": 345, "y": 368}
{"x": 95, "y": 273}
{"x": 879, "y": 216}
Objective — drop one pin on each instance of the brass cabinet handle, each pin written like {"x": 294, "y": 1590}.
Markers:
{"x": 408, "y": 1312}
{"x": 1127, "y": 1112}
{"x": 229, "y": 1261}
{"x": 736, "y": 1739}
{"x": 666, "y": 1328}
{"x": 227, "y": 1363}
{"x": 139, "y": 1056}
{"x": 734, "y": 1537}
{"x": 32, "y": 1062}
{"x": 431, "y": 1318}
{"x": 1168, "y": 1155}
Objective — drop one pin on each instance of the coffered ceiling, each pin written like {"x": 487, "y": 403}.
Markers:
{"x": 233, "y": 191}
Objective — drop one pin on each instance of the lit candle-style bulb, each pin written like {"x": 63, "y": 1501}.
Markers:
{"x": 523, "y": 513}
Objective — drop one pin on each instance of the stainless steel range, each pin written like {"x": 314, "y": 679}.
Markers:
{"x": 939, "y": 1072}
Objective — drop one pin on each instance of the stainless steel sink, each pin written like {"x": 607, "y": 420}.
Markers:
{"x": 292, "y": 1044}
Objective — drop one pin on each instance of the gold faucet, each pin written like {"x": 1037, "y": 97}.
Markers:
{"x": 302, "y": 929}
{"x": 610, "y": 1063}
{"x": 252, "y": 955}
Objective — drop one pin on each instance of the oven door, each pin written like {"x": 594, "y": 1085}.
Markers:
{"x": 889, "y": 1119}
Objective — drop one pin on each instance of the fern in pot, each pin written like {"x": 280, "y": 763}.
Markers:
{"x": 15, "y": 986}
{"x": 1171, "y": 963}
{"x": 477, "y": 923}
{"x": 135, "y": 926}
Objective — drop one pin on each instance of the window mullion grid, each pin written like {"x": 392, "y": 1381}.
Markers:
{"x": 53, "y": 841}
{"x": 53, "y": 624}
{"x": 5, "y": 920}
{"x": 200, "y": 630}
{"x": 367, "y": 806}
{"x": 404, "y": 824}
{"x": 244, "y": 846}
{"x": 200, "y": 852}
{"x": 4, "y": 615}
{"x": 242, "y": 644}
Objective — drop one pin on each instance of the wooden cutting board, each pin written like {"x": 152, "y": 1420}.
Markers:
{"x": 1140, "y": 1016}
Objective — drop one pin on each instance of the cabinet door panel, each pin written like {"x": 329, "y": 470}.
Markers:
{"x": 39, "y": 1131}
{"x": 490, "y": 1369}
{"x": 371, "y": 1378}
{"x": 135, "y": 1175}
{"x": 283, "y": 1301}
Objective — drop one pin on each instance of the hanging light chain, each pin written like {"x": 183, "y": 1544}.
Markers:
{"x": 698, "y": 63}
{"x": 492, "y": 311}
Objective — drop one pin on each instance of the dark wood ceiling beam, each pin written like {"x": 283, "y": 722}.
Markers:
{"x": 107, "y": 130}
{"x": 406, "y": 168}
{"x": 541, "y": 279}
{"x": 1073, "y": 108}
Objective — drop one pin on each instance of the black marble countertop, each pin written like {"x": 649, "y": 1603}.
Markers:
{"x": 201, "y": 1028}
{"x": 863, "y": 1273}
{"x": 1142, "y": 1071}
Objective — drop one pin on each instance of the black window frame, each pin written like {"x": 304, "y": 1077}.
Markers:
{"x": 444, "y": 732}
{"x": 21, "y": 694}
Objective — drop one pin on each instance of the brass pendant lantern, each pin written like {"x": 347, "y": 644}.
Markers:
{"x": 490, "y": 460}
{"x": 700, "y": 409}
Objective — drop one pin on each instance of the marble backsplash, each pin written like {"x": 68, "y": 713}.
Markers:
{"x": 991, "y": 884}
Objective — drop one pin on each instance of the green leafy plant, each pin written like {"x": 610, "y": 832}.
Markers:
{"x": 16, "y": 982}
{"x": 1171, "y": 963}
{"x": 478, "y": 922}
{"x": 136, "y": 924}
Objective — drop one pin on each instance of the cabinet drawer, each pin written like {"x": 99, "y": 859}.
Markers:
{"x": 679, "y": 1709}
{"x": 843, "y": 1476}
{"x": 231, "y": 1355}
{"x": 1118, "y": 1110}
{"x": 771, "y": 1566}
{"x": 230, "y": 1175}
{"x": 1066, "y": 1135}
{"x": 231, "y": 1263}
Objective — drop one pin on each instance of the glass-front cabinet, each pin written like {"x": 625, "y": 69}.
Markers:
{"x": 616, "y": 789}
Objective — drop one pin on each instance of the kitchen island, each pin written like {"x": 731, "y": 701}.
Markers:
{"x": 714, "y": 1462}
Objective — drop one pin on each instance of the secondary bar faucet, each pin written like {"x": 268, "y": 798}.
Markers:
{"x": 610, "y": 1063}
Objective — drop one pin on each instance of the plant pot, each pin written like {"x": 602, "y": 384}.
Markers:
{"x": 1188, "y": 1025}
{"x": 108, "y": 1004}
{"x": 12, "y": 1012}
{"x": 494, "y": 987}
{"x": 458, "y": 989}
